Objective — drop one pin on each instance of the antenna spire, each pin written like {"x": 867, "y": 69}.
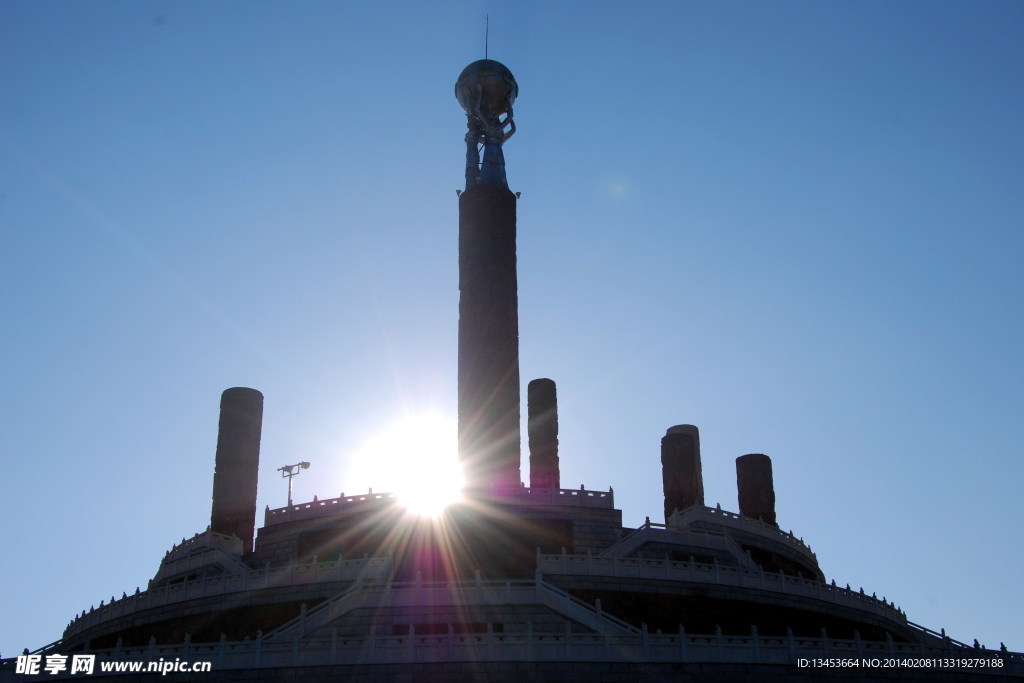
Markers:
{"x": 487, "y": 35}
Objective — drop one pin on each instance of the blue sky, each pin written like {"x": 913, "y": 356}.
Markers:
{"x": 795, "y": 225}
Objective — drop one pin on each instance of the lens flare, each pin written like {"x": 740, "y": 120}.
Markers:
{"x": 416, "y": 458}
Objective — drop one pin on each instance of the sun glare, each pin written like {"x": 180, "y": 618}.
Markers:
{"x": 417, "y": 459}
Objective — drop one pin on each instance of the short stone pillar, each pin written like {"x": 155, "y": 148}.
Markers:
{"x": 237, "y": 466}
{"x": 542, "y": 427}
{"x": 681, "y": 475}
{"x": 755, "y": 487}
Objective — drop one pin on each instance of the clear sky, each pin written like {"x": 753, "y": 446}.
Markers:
{"x": 796, "y": 225}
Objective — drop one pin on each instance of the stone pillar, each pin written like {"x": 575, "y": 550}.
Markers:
{"x": 680, "y": 469}
{"x": 488, "y": 340}
{"x": 755, "y": 486}
{"x": 237, "y": 468}
{"x": 542, "y": 426}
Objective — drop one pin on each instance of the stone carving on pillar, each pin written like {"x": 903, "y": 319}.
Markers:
{"x": 486, "y": 90}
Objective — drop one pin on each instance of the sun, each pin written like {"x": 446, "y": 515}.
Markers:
{"x": 416, "y": 458}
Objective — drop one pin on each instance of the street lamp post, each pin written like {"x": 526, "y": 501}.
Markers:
{"x": 290, "y": 471}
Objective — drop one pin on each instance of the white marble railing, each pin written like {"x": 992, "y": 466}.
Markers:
{"x": 405, "y": 595}
{"x": 386, "y": 648}
{"x": 413, "y": 594}
{"x": 367, "y": 569}
{"x": 703, "y": 539}
{"x": 580, "y": 497}
{"x": 629, "y": 567}
{"x": 206, "y": 539}
{"x": 203, "y": 551}
{"x": 681, "y": 519}
{"x": 328, "y": 506}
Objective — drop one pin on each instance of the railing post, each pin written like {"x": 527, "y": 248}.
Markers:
{"x": 757, "y": 643}
{"x": 682, "y": 644}
{"x": 529, "y": 641}
{"x": 222, "y": 648}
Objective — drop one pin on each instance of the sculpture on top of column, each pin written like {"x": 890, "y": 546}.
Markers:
{"x": 486, "y": 90}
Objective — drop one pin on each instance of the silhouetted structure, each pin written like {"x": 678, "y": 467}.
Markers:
{"x": 517, "y": 582}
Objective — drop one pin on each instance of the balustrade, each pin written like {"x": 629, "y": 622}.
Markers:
{"x": 331, "y": 506}
{"x": 387, "y": 648}
{"x": 629, "y": 567}
{"x": 328, "y": 506}
{"x": 682, "y": 519}
{"x": 372, "y": 568}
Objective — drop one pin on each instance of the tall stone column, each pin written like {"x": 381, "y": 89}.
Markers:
{"x": 488, "y": 339}
{"x": 237, "y": 469}
{"x": 542, "y": 428}
{"x": 681, "y": 474}
{"x": 488, "y": 291}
